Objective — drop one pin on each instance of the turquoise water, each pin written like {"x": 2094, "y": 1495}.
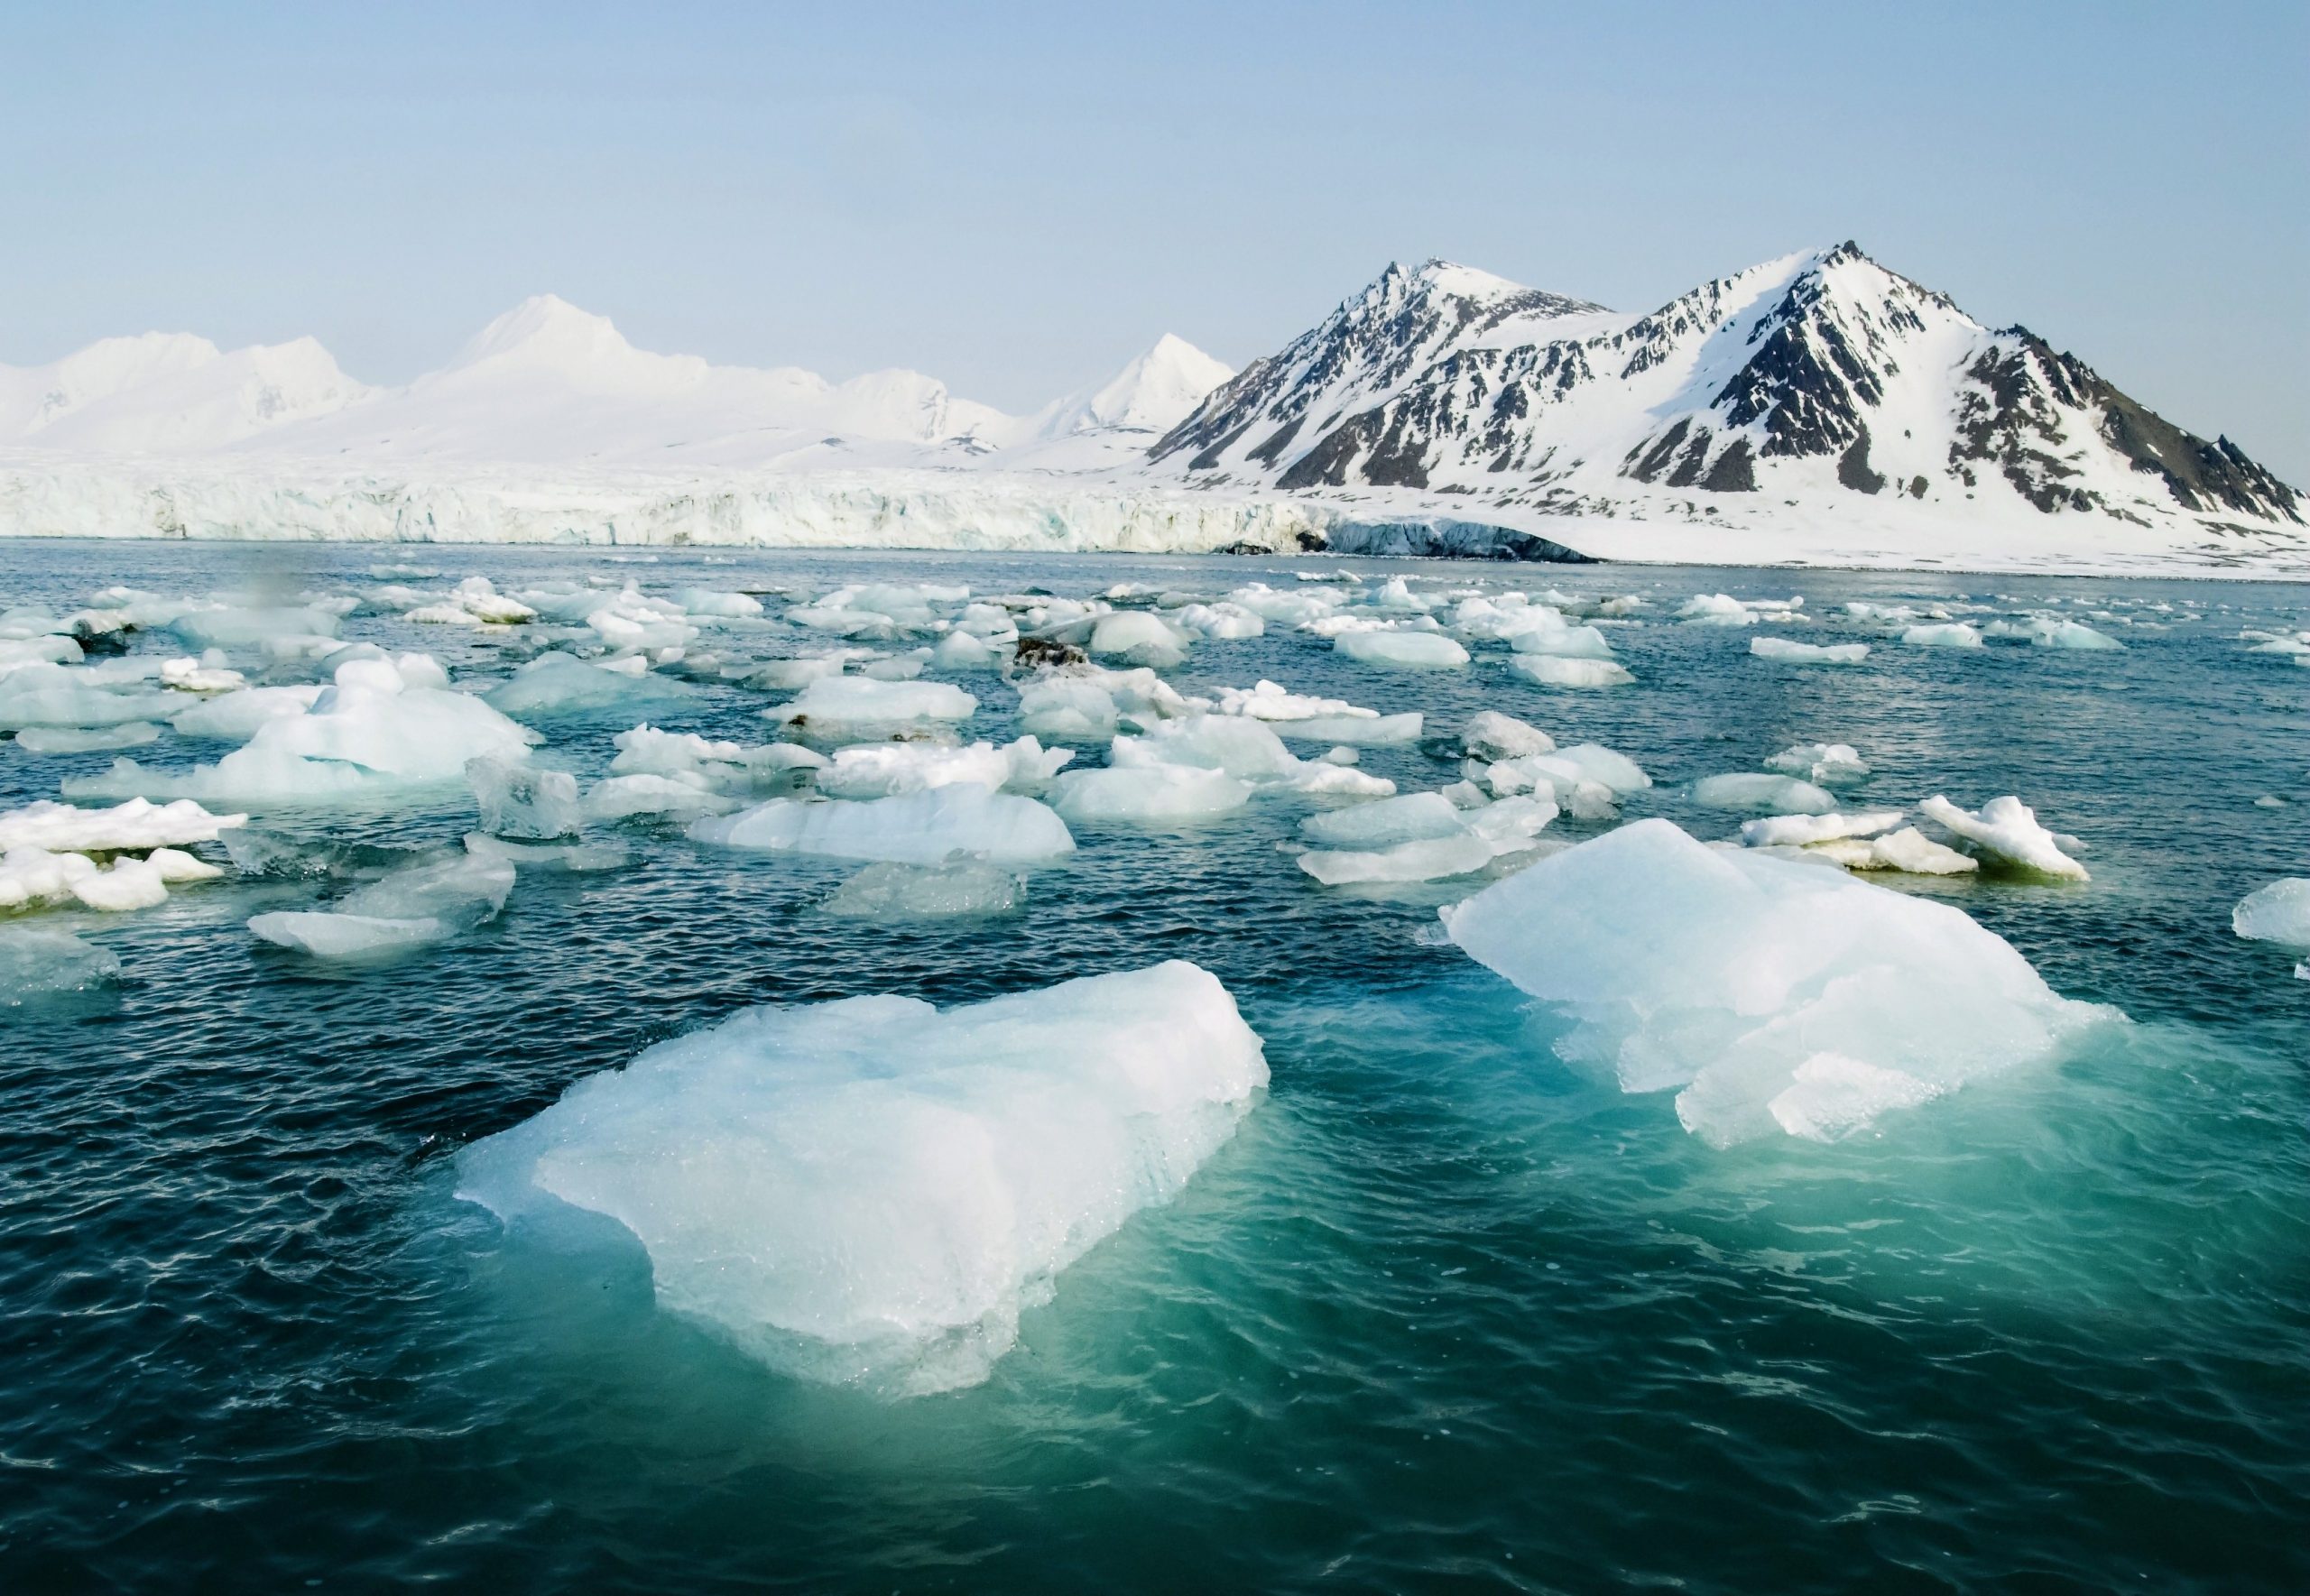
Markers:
{"x": 1443, "y": 1312}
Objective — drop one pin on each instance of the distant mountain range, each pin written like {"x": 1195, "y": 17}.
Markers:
{"x": 1819, "y": 392}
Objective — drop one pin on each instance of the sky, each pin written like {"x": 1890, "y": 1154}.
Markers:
{"x": 1019, "y": 198}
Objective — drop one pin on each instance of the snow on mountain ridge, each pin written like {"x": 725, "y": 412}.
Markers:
{"x": 1152, "y": 394}
{"x": 1814, "y": 378}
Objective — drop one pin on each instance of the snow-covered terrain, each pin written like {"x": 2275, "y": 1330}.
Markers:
{"x": 1814, "y": 410}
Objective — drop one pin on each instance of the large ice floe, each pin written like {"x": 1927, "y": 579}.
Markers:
{"x": 871, "y": 1192}
{"x": 1771, "y": 995}
{"x": 382, "y": 727}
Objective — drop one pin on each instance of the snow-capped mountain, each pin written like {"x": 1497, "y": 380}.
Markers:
{"x": 1818, "y": 379}
{"x": 1153, "y": 393}
{"x": 548, "y": 384}
{"x": 169, "y": 394}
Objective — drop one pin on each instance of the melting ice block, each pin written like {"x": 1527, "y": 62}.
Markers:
{"x": 913, "y": 828}
{"x": 832, "y": 705}
{"x": 1550, "y": 671}
{"x": 129, "y": 827}
{"x": 1791, "y": 651}
{"x": 420, "y": 904}
{"x": 1410, "y": 650}
{"x": 1761, "y": 793}
{"x": 1775, "y": 996}
{"x": 870, "y": 1192}
{"x": 1148, "y": 793}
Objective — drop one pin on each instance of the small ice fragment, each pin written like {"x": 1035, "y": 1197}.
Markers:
{"x": 1551, "y": 671}
{"x": 2279, "y": 912}
{"x": 1756, "y": 792}
{"x": 86, "y": 738}
{"x": 915, "y": 829}
{"x": 1414, "y": 650}
{"x": 1153, "y": 793}
{"x": 518, "y": 799}
{"x": 35, "y": 963}
{"x": 1791, "y": 651}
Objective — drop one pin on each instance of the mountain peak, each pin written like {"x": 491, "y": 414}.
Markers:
{"x": 549, "y": 327}
{"x": 1154, "y": 392}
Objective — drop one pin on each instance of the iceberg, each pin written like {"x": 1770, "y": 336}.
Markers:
{"x": 914, "y": 828}
{"x": 872, "y": 1191}
{"x": 1772, "y": 995}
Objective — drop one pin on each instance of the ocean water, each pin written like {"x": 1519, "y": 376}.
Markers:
{"x": 1445, "y": 1313}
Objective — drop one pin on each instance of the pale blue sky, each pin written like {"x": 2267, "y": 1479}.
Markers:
{"x": 1017, "y": 198}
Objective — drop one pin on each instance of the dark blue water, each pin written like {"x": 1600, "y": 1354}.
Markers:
{"x": 1443, "y": 1314}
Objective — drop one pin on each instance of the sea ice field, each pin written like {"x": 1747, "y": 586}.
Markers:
{"x": 684, "y": 1070}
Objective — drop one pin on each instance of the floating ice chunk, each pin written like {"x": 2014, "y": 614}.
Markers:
{"x": 1727, "y": 973}
{"x": 517, "y": 799}
{"x": 1758, "y": 792}
{"x": 901, "y": 667}
{"x": 1415, "y": 817}
{"x": 870, "y": 1192}
{"x": 175, "y": 865}
{"x": 461, "y": 892}
{"x": 1907, "y": 850}
{"x": 882, "y": 769}
{"x": 684, "y": 797}
{"x": 787, "y": 675}
{"x": 129, "y": 828}
{"x": 86, "y": 740}
{"x": 556, "y": 683}
{"x": 39, "y": 650}
{"x": 1067, "y": 707}
{"x": 1551, "y": 671}
{"x": 1546, "y": 632}
{"x": 62, "y": 696}
{"x": 2047, "y": 632}
{"x": 887, "y": 892}
{"x": 36, "y": 963}
{"x": 1331, "y": 779}
{"x": 832, "y": 705}
{"x": 1223, "y": 620}
{"x": 1385, "y": 730}
{"x": 2279, "y": 912}
{"x": 1799, "y": 653}
{"x": 130, "y": 885}
{"x": 1287, "y": 609}
{"x": 1414, "y": 650}
{"x": 1245, "y": 748}
{"x": 914, "y": 828}
{"x": 2005, "y": 831}
{"x": 1952, "y": 634}
{"x": 578, "y": 858}
{"x": 234, "y": 717}
{"x": 647, "y": 750}
{"x": 366, "y": 736}
{"x": 1820, "y": 762}
{"x": 724, "y": 606}
{"x": 1478, "y": 837}
{"x": 188, "y": 674}
{"x": 1491, "y": 735}
{"x": 1605, "y": 766}
{"x": 225, "y": 628}
{"x": 1802, "y": 831}
{"x": 1715, "y": 609}
{"x": 960, "y": 650}
{"x": 1137, "y": 638}
{"x": 1270, "y": 701}
{"x": 326, "y": 935}
{"x": 1147, "y": 794}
